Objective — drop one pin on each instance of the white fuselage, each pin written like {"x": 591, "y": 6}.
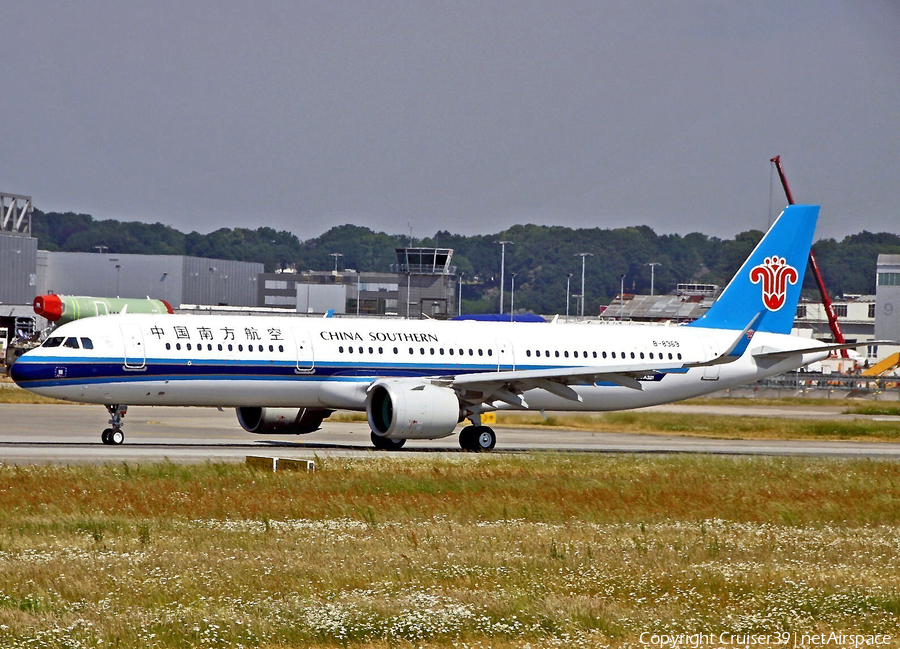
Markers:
{"x": 233, "y": 361}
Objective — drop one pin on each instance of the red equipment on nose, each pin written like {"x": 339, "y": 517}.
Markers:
{"x": 48, "y": 306}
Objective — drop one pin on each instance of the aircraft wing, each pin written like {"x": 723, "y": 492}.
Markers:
{"x": 508, "y": 386}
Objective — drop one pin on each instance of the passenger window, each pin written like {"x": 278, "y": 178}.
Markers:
{"x": 230, "y": 347}
{"x": 451, "y": 351}
{"x": 575, "y": 354}
{"x": 209, "y": 346}
{"x": 240, "y": 348}
{"x": 462, "y": 352}
{"x": 56, "y": 341}
{"x": 557, "y": 353}
{"x": 528, "y": 353}
{"x": 441, "y": 350}
{"x": 249, "y": 348}
{"x": 604, "y": 354}
{"x": 281, "y": 348}
{"x": 422, "y": 350}
{"x": 432, "y": 351}
{"x": 651, "y": 356}
{"x": 396, "y": 351}
{"x": 642, "y": 355}
{"x": 220, "y": 346}
{"x": 595, "y": 355}
{"x": 380, "y": 350}
{"x": 87, "y": 343}
{"x": 679, "y": 355}
{"x": 360, "y": 350}
{"x": 261, "y": 348}
{"x": 613, "y": 354}
{"x": 178, "y": 346}
{"x": 566, "y": 354}
{"x": 481, "y": 352}
{"x": 168, "y": 345}
{"x": 349, "y": 350}
{"x": 632, "y": 354}
{"x": 490, "y": 352}
{"x": 471, "y": 352}
{"x": 341, "y": 349}
{"x": 371, "y": 351}
{"x": 189, "y": 346}
{"x": 71, "y": 343}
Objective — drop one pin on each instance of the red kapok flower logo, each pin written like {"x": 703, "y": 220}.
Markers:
{"x": 775, "y": 274}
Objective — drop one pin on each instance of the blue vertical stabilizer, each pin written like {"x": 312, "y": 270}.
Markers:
{"x": 769, "y": 282}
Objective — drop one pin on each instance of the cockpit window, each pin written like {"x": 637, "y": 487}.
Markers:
{"x": 87, "y": 343}
{"x": 55, "y": 341}
{"x": 71, "y": 343}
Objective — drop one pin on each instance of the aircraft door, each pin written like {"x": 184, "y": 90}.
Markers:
{"x": 304, "y": 348}
{"x": 135, "y": 355}
{"x": 506, "y": 359}
{"x": 711, "y": 349}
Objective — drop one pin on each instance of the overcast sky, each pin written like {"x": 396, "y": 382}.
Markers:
{"x": 464, "y": 116}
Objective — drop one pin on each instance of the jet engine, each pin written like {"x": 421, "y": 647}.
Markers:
{"x": 403, "y": 409}
{"x": 281, "y": 421}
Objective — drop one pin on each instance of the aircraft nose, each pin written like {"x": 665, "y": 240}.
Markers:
{"x": 23, "y": 371}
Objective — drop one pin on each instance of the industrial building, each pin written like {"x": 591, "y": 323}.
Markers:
{"x": 887, "y": 301}
{"x": 177, "y": 279}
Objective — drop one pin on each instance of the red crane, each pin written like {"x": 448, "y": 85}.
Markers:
{"x": 826, "y": 301}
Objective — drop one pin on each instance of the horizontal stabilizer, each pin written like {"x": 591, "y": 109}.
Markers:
{"x": 768, "y": 352}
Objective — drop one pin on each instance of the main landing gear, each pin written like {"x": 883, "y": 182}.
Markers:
{"x": 114, "y": 436}
{"x": 478, "y": 439}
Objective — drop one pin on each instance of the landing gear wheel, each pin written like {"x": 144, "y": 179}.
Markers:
{"x": 387, "y": 444}
{"x": 477, "y": 439}
{"x": 114, "y": 436}
{"x": 485, "y": 440}
{"x": 467, "y": 438}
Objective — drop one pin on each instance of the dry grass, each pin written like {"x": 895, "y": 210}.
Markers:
{"x": 546, "y": 550}
{"x": 714, "y": 426}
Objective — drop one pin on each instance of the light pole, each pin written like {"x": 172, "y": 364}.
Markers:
{"x": 512, "y": 298}
{"x": 408, "y": 275}
{"x": 568, "y": 293}
{"x": 459, "y": 296}
{"x": 336, "y": 255}
{"x": 583, "y": 255}
{"x": 502, "y": 268}
{"x": 653, "y": 265}
{"x": 621, "y": 296}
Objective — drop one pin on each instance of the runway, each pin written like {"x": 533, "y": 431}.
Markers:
{"x": 71, "y": 434}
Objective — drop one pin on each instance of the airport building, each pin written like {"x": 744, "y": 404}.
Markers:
{"x": 421, "y": 283}
{"x": 321, "y": 291}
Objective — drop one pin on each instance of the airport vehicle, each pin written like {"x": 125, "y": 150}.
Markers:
{"x": 419, "y": 379}
{"x": 61, "y": 309}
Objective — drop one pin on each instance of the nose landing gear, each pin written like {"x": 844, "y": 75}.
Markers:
{"x": 114, "y": 436}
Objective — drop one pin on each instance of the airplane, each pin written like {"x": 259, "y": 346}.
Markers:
{"x": 418, "y": 379}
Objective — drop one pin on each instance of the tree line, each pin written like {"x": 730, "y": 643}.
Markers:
{"x": 540, "y": 256}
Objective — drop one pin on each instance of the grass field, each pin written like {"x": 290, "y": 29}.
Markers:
{"x": 501, "y": 551}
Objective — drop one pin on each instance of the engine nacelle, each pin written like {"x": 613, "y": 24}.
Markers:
{"x": 404, "y": 409}
{"x": 281, "y": 421}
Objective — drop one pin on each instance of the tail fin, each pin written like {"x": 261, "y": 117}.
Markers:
{"x": 770, "y": 279}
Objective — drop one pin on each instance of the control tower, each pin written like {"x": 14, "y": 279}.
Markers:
{"x": 427, "y": 286}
